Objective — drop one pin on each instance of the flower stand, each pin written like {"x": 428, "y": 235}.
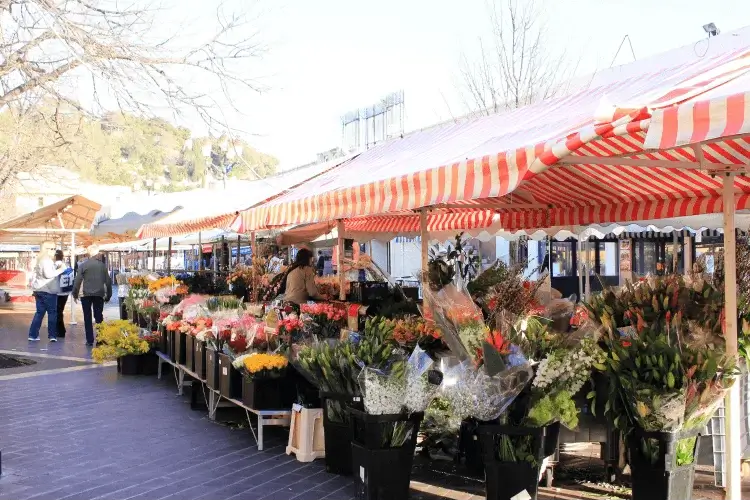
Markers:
{"x": 199, "y": 358}
{"x": 179, "y": 347}
{"x": 306, "y": 438}
{"x": 468, "y": 445}
{"x": 337, "y": 432}
{"x": 383, "y": 469}
{"x": 172, "y": 336}
{"x": 163, "y": 340}
{"x": 129, "y": 365}
{"x": 212, "y": 368}
{"x": 190, "y": 353}
{"x": 149, "y": 364}
{"x": 658, "y": 476}
{"x": 230, "y": 379}
{"x": 267, "y": 394}
{"x": 123, "y": 309}
{"x": 505, "y": 479}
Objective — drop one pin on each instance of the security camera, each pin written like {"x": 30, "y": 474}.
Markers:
{"x": 711, "y": 29}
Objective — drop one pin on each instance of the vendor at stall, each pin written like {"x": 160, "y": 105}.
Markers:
{"x": 300, "y": 279}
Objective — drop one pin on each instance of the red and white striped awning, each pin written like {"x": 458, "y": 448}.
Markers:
{"x": 567, "y": 161}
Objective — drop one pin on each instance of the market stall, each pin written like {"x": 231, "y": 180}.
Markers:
{"x": 524, "y": 356}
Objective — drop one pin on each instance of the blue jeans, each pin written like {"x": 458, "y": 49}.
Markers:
{"x": 45, "y": 303}
{"x": 96, "y": 304}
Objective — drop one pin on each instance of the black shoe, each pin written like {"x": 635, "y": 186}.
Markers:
{"x": 89, "y": 344}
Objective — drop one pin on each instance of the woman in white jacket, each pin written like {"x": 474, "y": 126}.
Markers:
{"x": 45, "y": 285}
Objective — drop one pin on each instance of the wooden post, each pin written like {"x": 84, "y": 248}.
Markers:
{"x": 253, "y": 255}
{"x": 579, "y": 270}
{"x": 588, "y": 269}
{"x": 340, "y": 263}
{"x": 688, "y": 252}
{"x": 223, "y": 257}
{"x": 732, "y": 403}
{"x": 169, "y": 256}
{"x": 425, "y": 244}
{"x": 153, "y": 258}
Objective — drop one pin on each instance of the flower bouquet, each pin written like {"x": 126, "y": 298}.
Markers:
{"x": 290, "y": 331}
{"x": 412, "y": 331}
{"x": 240, "y": 282}
{"x": 667, "y": 369}
{"x": 323, "y": 320}
{"x": 120, "y": 340}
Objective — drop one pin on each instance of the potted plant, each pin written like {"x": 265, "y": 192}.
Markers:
{"x": 386, "y": 422}
{"x": 240, "y": 282}
{"x": 667, "y": 372}
{"x": 333, "y": 367}
{"x": 265, "y": 385}
{"x": 120, "y": 340}
{"x": 323, "y": 320}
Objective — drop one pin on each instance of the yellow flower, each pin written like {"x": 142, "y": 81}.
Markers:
{"x": 642, "y": 409}
{"x": 258, "y": 362}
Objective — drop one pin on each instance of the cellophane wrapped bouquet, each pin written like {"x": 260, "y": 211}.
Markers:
{"x": 666, "y": 362}
{"x": 492, "y": 372}
{"x": 528, "y": 375}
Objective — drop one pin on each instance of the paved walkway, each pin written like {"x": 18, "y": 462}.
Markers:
{"x": 85, "y": 432}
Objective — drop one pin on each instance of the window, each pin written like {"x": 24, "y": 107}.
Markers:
{"x": 609, "y": 259}
{"x": 562, "y": 259}
{"x": 644, "y": 257}
{"x": 40, "y": 201}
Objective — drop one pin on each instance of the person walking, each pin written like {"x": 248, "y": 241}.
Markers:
{"x": 97, "y": 290}
{"x": 321, "y": 263}
{"x": 44, "y": 284}
{"x": 65, "y": 285}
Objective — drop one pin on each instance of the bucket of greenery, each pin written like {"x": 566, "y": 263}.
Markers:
{"x": 121, "y": 340}
{"x": 333, "y": 367}
{"x": 668, "y": 373}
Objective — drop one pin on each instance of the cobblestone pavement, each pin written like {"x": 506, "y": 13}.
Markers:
{"x": 92, "y": 434}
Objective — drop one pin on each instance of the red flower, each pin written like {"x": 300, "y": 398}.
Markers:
{"x": 238, "y": 344}
{"x": 626, "y": 344}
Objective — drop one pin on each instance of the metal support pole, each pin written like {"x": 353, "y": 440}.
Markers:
{"x": 732, "y": 403}
{"x": 72, "y": 265}
{"x": 253, "y": 255}
{"x": 169, "y": 256}
{"x": 200, "y": 252}
{"x": 340, "y": 263}
{"x": 153, "y": 258}
{"x": 239, "y": 244}
{"x": 675, "y": 246}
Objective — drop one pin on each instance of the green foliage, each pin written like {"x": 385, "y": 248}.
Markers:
{"x": 119, "y": 149}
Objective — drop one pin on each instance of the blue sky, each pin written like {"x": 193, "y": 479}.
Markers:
{"x": 327, "y": 57}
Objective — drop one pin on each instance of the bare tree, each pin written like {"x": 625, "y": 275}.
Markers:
{"x": 47, "y": 46}
{"x": 515, "y": 66}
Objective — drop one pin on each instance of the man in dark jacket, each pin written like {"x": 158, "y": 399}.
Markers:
{"x": 97, "y": 289}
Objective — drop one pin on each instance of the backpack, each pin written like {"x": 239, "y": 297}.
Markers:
{"x": 66, "y": 281}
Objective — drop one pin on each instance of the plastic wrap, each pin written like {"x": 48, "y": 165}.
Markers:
{"x": 473, "y": 393}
